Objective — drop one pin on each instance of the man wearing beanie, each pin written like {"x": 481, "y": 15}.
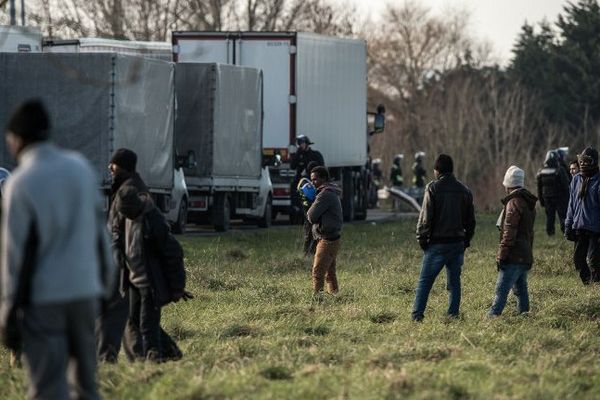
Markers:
{"x": 55, "y": 260}
{"x": 445, "y": 228}
{"x": 515, "y": 253}
{"x": 112, "y": 326}
{"x": 582, "y": 224}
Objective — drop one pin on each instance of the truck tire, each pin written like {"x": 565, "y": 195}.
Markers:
{"x": 265, "y": 220}
{"x": 182, "y": 216}
{"x": 221, "y": 212}
{"x": 348, "y": 196}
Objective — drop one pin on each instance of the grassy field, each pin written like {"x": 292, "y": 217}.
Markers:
{"x": 253, "y": 331}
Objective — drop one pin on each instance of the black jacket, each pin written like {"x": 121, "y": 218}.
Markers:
{"x": 163, "y": 256}
{"x": 552, "y": 182}
{"x": 447, "y": 214}
{"x": 301, "y": 159}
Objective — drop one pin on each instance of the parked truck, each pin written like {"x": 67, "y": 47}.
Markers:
{"x": 155, "y": 50}
{"x": 219, "y": 128}
{"x": 99, "y": 103}
{"x": 314, "y": 85}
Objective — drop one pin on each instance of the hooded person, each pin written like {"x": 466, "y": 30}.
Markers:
{"x": 582, "y": 224}
{"x": 553, "y": 191}
{"x": 325, "y": 215}
{"x": 514, "y": 258}
{"x": 154, "y": 264}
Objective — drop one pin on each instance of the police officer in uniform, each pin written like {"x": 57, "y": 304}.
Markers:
{"x": 553, "y": 191}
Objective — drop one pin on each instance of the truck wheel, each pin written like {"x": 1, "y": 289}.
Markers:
{"x": 182, "y": 216}
{"x": 347, "y": 196}
{"x": 221, "y": 212}
{"x": 267, "y": 217}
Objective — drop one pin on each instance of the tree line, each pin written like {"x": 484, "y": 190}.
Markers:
{"x": 442, "y": 87}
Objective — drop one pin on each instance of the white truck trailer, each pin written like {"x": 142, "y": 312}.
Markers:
{"x": 219, "y": 128}
{"x": 99, "y": 103}
{"x": 20, "y": 39}
{"x": 156, "y": 50}
{"x": 314, "y": 85}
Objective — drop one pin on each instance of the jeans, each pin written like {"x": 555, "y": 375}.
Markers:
{"x": 511, "y": 276}
{"x": 587, "y": 256}
{"x": 324, "y": 266}
{"x": 59, "y": 350}
{"x": 436, "y": 257}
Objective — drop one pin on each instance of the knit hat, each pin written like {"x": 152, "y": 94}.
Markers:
{"x": 514, "y": 177}
{"x": 128, "y": 202}
{"x": 444, "y": 164}
{"x": 30, "y": 121}
{"x": 125, "y": 159}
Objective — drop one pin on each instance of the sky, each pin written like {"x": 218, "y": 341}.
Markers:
{"x": 497, "y": 21}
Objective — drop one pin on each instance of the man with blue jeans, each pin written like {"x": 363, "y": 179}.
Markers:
{"x": 515, "y": 253}
{"x": 445, "y": 228}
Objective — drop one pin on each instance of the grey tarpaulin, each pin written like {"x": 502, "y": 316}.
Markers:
{"x": 219, "y": 118}
{"x": 98, "y": 102}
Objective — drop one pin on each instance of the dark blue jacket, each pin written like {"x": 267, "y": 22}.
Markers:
{"x": 584, "y": 213}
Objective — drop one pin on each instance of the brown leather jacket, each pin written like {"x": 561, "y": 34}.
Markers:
{"x": 516, "y": 228}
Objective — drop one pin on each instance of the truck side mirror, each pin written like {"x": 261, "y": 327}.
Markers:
{"x": 378, "y": 120}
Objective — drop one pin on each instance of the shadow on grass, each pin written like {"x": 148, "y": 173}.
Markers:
{"x": 317, "y": 330}
{"x": 276, "y": 373}
{"x": 237, "y": 330}
{"x": 384, "y": 317}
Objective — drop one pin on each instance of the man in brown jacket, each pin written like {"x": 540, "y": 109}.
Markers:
{"x": 515, "y": 253}
{"x": 325, "y": 215}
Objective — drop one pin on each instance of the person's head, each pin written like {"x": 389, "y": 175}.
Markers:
{"x": 551, "y": 159}
{"x": 574, "y": 167}
{"x": 398, "y": 159}
{"x": 28, "y": 124}
{"x": 514, "y": 178}
{"x": 443, "y": 165}
{"x": 129, "y": 203}
{"x": 588, "y": 160}
{"x": 419, "y": 156}
{"x": 122, "y": 161}
{"x": 311, "y": 165}
{"x": 319, "y": 176}
{"x": 303, "y": 142}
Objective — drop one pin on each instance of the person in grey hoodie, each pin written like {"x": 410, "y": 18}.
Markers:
{"x": 56, "y": 264}
{"x": 325, "y": 215}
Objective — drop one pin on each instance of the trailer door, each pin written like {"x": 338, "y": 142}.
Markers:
{"x": 275, "y": 56}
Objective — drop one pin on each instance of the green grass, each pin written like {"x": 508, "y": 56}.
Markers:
{"x": 254, "y": 332}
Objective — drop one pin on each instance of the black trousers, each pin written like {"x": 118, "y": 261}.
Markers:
{"x": 553, "y": 206}
{"x": 144, "y": 314}
{"x": 587, "y": 256}
{"x": 113, "y": 327}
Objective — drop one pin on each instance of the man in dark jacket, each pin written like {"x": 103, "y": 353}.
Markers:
{"x": 582, "y": 224}
{"x": 325, "y": 215}
{"x": 396, "y": 177}
{"x": 445, "y": 228}
{"x": 515, "y": 253}
{"x": 553, "y": 191}
{"x": 112, "y": 326}
{"x": 154, "y": 261}
{"x": 419, "y": 172}
{"x": 310, "y": 244}
{"x": 299, "y": 162}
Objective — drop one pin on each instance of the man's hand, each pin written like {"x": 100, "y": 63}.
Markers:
{"x": 424, "y": 245}
{"x": 570, "y": 234}
{"x": 467, "y": 244}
